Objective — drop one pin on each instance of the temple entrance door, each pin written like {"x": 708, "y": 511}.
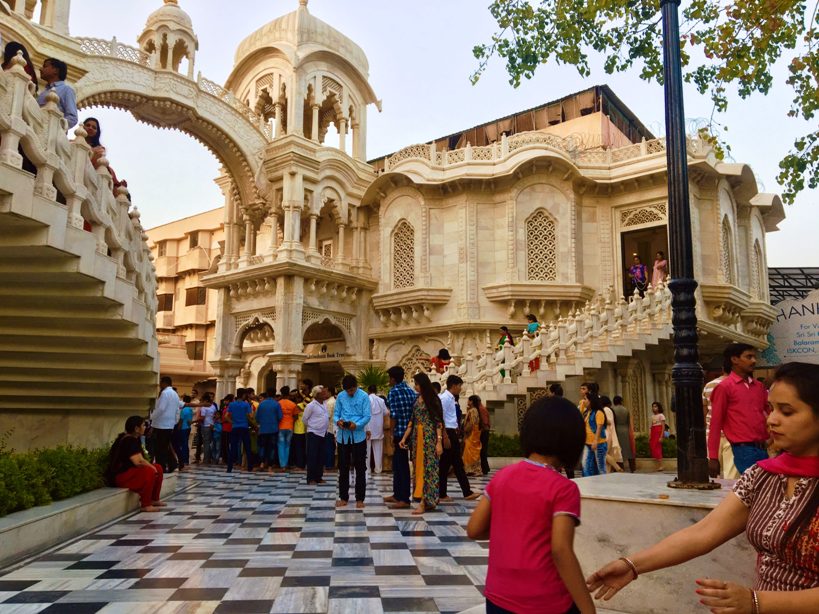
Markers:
{"x": 325, "y": 345}
{"x": 270, "y": 380}
{"x": 644, "y": 243}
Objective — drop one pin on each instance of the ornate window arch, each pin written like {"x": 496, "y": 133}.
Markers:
{"x": 541, "y": 247}
{"x": 403, "y": 256}
{"x": 727, "y": 252}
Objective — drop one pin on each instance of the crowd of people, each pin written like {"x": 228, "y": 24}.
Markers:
{"x": 529, "y": 510}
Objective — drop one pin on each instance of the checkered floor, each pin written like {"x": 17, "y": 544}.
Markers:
{"x": 261, "y": 543}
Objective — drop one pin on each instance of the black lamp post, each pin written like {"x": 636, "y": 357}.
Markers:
{"x": 692, "y": 459}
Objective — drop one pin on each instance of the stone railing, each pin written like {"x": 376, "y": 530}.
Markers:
{"x": 575, "y": 148}
{"x": 86, "y": 191}
{"x": 116, "y": 50}
{"x": 601, "y": 327}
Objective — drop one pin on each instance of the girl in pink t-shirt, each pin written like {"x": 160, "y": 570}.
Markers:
{"x": 529, "y": 512}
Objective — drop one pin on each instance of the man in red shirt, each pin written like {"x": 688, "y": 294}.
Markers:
{"x": 739, "y": 409}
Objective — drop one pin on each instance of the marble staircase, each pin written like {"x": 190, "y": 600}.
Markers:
{"x": 601, "y": 332}
{"x": 78, "y": 348}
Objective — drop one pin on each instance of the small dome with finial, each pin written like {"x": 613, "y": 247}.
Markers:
{"x": 169, "y": 34}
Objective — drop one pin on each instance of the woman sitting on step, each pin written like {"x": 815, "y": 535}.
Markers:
{"x": 775, "y": 503}
{"x": 128, "y": 467}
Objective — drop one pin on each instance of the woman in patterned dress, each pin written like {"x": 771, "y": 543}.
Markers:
{"x": 775, "y": 502}
{"x": 425, "y": 434}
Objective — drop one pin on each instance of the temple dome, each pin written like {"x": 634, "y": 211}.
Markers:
{"x": 303, "y": 34}
{"x": 171, "y": 16}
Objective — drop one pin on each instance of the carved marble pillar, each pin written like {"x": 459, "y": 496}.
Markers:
{"x": 314, "y": 136}
{"x": 277, "y": 119}
{"x": 248, "y": 237}
{"x": 356, "y": 130}
{"x": 342, "y": 257}
{"x": 342, "y": 134}
{"x": 312, "y": 249}
{"x": 292, "y": 203}
{"x": 274, "y": 232}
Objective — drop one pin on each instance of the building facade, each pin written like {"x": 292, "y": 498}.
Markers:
{"x": 326, "y": 262}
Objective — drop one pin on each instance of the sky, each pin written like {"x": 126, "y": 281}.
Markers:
{"x": 420, "y": 56}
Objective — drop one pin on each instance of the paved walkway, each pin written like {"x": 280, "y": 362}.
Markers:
{"x": 261, "y": 543}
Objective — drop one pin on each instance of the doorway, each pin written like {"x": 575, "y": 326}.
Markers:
{"x": 644, "y": 243}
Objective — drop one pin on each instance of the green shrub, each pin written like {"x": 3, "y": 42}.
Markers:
{"x": 504, "y": 445}
{"x": 643, "y": 451}
{"x": 42, "y": 476}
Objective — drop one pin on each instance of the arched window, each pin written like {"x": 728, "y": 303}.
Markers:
{"x": 757, "y": 267}
{"x": 403, "y": 256}
{"x": 727, "y": 255}
{"x": 541, "y": 247}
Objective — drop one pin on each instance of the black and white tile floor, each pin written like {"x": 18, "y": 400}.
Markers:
{"x": 261, "y": 543}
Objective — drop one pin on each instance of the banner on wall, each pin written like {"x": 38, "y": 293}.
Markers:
{"x": 794, "y": 336}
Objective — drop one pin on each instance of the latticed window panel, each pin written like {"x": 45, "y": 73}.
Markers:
{"x": 541, "y": 247}
{"x": 726, "y": 255}
{"x": 403, "y": 256}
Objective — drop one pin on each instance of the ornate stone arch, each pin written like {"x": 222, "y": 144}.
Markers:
{"x": 246, "y": 323}
{"x": 343, "y": 322}
{"x": 403, "y": 255}
{"x": 541, "y": 247}
{"x": 414, "y": 361}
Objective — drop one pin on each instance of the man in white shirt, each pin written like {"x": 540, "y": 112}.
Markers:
{"x": 452, "y": 458}
{"x": 726, "y": 455}
{"x": 375, "y": 429}
{"x": 163, "y": 419}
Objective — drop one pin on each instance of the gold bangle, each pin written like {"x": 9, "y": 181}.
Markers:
{"x": 631, "y": 564}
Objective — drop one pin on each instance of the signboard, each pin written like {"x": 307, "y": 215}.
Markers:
{"x": 794, "y": 336}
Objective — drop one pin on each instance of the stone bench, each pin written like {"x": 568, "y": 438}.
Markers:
{"x": 25, "y": 533}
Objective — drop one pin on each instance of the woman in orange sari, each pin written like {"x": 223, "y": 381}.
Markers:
{"x": 472, "y": 436}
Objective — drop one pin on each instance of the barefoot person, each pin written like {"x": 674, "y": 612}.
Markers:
{"x": 128, "y": 467}
{"x": 352, "y": 414}
{"x": 776, "y": 504}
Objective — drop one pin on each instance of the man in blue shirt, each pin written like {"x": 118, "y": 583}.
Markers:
{"x": 238, "y": 413}
{"x": 400, "y": 400}
{"x": 268, "y": 416}
{"x": 54, "y": 73}
{"x": 352, "y": 413}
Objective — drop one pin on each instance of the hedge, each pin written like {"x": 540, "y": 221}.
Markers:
{"x": 509, "y": 445}
{"x": 643, "y": 451}
{"x": 504, "y": 445}
{"x": 42, "y": 476}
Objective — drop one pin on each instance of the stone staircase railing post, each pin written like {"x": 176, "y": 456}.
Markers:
{"x": 468, "y": 376}
{"x": 18, "y": 81}
{"x": 79, "y": 149}
{"x": 55, "y": 128}
{"x": 508, "y": 359}
{"x": 526, "y": 352}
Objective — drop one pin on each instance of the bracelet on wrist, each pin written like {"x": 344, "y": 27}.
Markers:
{"x": 631, "y": 564}
{"x": 754, "y": 602}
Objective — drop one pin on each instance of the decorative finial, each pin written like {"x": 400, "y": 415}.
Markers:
{"x": 303, "y": 3}
{"x": 172, "y": 2}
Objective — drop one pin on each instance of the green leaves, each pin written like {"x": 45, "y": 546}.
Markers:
{"x": 733, "y": 42}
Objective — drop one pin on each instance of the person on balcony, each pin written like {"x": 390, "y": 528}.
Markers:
{"x": 128, "y": 467}
{"x": 441, "y": 361}
{"x": 10, "y": 52}
{"x": 660, "y": 271}
{"x": 638, "y": 274}
{"x": 93, "y": 133}
{"x": 54, "y": 72}
{"x": 505, "y": 339}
